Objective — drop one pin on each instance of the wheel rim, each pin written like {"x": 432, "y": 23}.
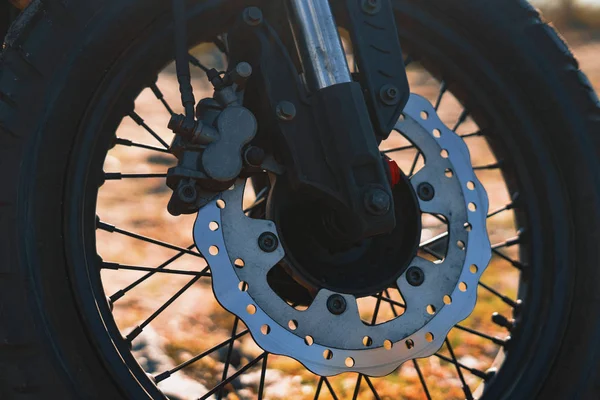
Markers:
{"x": 321, "y": 383}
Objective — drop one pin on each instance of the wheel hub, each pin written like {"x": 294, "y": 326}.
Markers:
{"x": 437, "y": 295}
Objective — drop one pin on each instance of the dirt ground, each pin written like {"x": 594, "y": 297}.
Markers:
{"x": 195, "y": 321}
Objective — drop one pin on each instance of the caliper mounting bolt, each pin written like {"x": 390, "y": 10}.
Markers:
{"x": 286, "y": 111}
{"x": 371, "y": 7}
{"x": 253, "y": 16}
{"x": 378, "y": 202}
{"x": 336, "y": 304}
{"x": 187, "y": 193}
{"x": 415, "y": 276}
{"x": 268, "y": 242}
{"x": 254, "y": 156}
{"x": 389, "y": 94}
{"x": 425, "y": 191}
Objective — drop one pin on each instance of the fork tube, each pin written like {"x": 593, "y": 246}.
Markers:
{"x": 321, "y": 51}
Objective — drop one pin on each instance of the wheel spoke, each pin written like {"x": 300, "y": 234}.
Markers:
{"x": 461, "y": 119}
{"x": 263, "y": 375}
{"x": 466, "y": 389}
{"x": 507, "y": 243}
{"x": 196, "y": 63}
{"x": 392, "y": 302}
{"x": 117, "y": 267}
{"x": 117, "y": 176}
{"x": 122, "y": 292}
{"x": 229, "y": 352}
{"x": 488, "y": 167}
{"x": 474, "y": 134}
{"x": 443, "y": 90}
{"x": 398, "y": 149}
{"x": 234, "y": 376}
{"x": 113, "y": 229}
{"x": 357, "y": 387}
{"x": 138, "y": 329}
{"x": 167, "y": 374}
{"x": 331, "y": 391}
{"x": 159, "y": 95}
{"x": 388, "y": 297}
{"x": 319, "y": 387}
{"x": 502, "y": 297}
{"x": 495, "y": 340}
{"x": 500, "y": 210}
{"x": 260, "y": 198}
{"x": 518, "y": 265}
{"x": 377, "y": 306}
{"x": 422, "y": 379}
{"x": 460, "y": 367}
{"x": 138, "y": 120}
{"x": 129, "y": 143}
{"x": 414, "y": 164}
{"x": 368, "y": 380}
{"x": 221, "y": 45}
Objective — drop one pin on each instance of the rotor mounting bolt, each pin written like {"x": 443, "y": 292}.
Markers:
{"x": 187, "y": 193}
{"x": 425, "y": 191}
{"x": 286, "y": 111}
{"x": 378, "y": 202}
{"x": 336, "y": 304}
{"x": 268, "y": 242}
{"x": 254, "y": 156}
{"x": 415, "y": 276}
{"x": 253, "y": 16}
{"x": 371, "y": 7}
{"x": 389, "y": 94}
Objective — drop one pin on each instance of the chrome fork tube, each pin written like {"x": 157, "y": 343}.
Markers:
{"x": 321, "y": 51}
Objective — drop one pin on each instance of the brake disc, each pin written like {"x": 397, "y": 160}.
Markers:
{"x": 241, "y": 251}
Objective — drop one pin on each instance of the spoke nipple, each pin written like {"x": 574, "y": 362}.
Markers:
{"x": 336, "y": 304}
{"x": 371, "y": 7}
{"x": 377, "y": 202}
{"x": 111, "y": 306}
{"x": 502, "y": 321}
{"x": 152, "y": 378}
{"x": 286, "y": 111}
{"x": 490, "y": 374}
{"x": 389, "y": 94}
{"x": 253, "y": 16}
{"x": 415, "y": 276}
{"x": 268, "y": 242}
{"x": 425, "y": 191}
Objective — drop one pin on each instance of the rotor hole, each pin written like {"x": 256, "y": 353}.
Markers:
{"x": 447, "y": 300}
{"x": 349, "y": 362}
{"x": 472, "y": 207}
{"x": 449, "y": 173}
{"x": 431, "y": 309}
{"x": 308, "y": 340}
{"x": 471, "y": 185}
{"x": 213, "y": 250}
{"x": 474, "y": 269}
{"x": 409, "y": 343}
{"x": 293, "y": 324}
{"x": 468, "y": 227}
{"x": 429, "y": 337}
{"x": 239, "y": 263}
{"x": 251, "y": 309}
{"x": 328, "y": 354}
{"x": 221, "y": 204}
{"x": 213, "y": 226}
{"x": 265, "y": 329}
{"x": 243, "y": 286}
{"x": 462, "y": 287}
{"x": 461, "y": 245}
{"x": 424, "y": 115}
{"x": 367, "y": 341}
{"x": 437, "y": 133}
{"x": 387, "y": 344}
{"x": 444, "y": 153}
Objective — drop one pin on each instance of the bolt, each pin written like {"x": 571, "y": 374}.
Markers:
{"x": 378, "y": 202}
{"x": 336, "y": 304}
{"x": 187, "y": 193}
{"x": 371, "y": 7}
{"x": 425, "y": 191}
{"x": 253, "y": 16}
{"x": 268, "y": 242}
{"x": 415, "y": 276}
{"x": 244, "y": 70}
{"x": 286, "y": 111}
{"x": 389, "y": 94}
{"x": 254, "y": 156}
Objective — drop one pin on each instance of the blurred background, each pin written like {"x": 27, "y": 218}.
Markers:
{"x": 196, "y": 322}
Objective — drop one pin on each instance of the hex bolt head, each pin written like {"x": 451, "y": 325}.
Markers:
{"x": 268, "y": 242}
{"x": 377, "y": 202}
{"x": 286, "y": 111}
{"x": 389, "y": 94}
{"x": 425, "y": 191}
{"x": 415, "y": 276}
{"x": 253, "y": 16}
{"x": 371, "y": 7}
{"x": 336, "y": 304}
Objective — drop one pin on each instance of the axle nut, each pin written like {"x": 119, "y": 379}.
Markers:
{"x": 336, "y": 304}
{"x": 378, "y": 202}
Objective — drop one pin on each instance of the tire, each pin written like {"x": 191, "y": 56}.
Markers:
{"x": 59, "y": 54}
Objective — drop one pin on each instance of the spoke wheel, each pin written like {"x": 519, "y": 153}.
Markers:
{"x": 485, "y": 351}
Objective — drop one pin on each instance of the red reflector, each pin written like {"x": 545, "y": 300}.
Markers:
{"x": 395, "y": 175}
